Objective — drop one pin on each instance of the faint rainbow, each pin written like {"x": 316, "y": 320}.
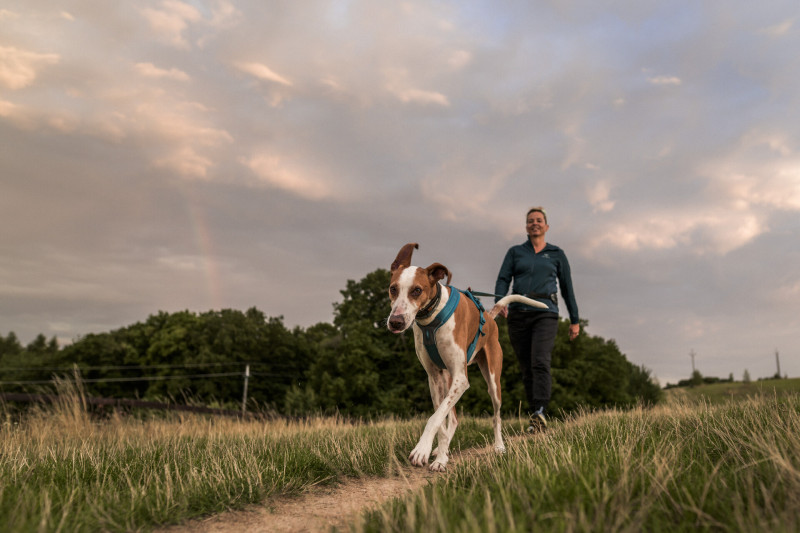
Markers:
{"x": 205, "y": 247}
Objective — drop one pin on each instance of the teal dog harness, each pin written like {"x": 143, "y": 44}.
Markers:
{"x": 429, "y": 331}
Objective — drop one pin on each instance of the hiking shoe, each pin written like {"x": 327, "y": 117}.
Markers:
{"x": 537, "y": 422}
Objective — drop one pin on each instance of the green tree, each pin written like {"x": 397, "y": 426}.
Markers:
{"x": 643, "y": 388}
{"x": 176, "y": 343}
{"x": 34, "y": 362}
{"x": 589, "y": 371}
{"x": 9, "y": 345}
{"x": 354, "y": 365}
{"x": 362, "y": 368}
{"x": 281, "y": 359}
{"x": 173, "y": 349}
{"x": 10, "y": 350}
{"x": 223, "y": 342}
{"x": 42, "y": 350}
{"x": 99, "y": 357}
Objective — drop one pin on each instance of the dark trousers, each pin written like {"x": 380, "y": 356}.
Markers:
{"x": 533, "y": 335}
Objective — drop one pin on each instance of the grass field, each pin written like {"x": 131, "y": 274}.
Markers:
{"x": 716, "y": 393}
{"x": 60, "y": 470}
{"x": 687, "y": 466}
{"x": 683, "y": 467}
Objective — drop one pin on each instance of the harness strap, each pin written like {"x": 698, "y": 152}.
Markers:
{"x": 429, "y": 331}
{"x": 480, "y": 332}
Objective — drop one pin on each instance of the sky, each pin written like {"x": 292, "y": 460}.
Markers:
{"x": 165, "y": 155}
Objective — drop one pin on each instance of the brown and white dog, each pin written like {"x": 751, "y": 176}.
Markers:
{"x": 413, "y": 289}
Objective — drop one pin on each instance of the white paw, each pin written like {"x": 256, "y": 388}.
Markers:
{"x": 420, "y": 455}
{"x": 438, "y": 466}
{"x": 499, "y": 449}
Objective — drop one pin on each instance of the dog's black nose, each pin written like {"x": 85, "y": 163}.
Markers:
{"x": 397, "y": 323}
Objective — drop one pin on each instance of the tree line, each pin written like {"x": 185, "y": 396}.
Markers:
{"x": 352, "y": 366}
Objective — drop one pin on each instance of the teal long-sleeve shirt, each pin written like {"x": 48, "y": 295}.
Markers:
{"x": 541, "y": 273}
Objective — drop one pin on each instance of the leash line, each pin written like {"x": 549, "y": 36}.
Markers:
{"x": 478, "y": 293}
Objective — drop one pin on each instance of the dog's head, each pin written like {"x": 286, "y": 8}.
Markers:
{"x": 411, "y": 288}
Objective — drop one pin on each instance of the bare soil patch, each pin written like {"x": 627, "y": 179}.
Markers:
{"x": 321, "y": 507}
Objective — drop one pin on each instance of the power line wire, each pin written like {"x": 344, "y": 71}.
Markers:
{"x": 122, "y": 367}
{"x": 120, "y": 380}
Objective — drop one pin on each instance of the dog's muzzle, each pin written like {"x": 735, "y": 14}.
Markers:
{"x": 396, "y": 323}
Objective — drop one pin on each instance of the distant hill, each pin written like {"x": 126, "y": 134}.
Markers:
{"x": 721, "y": 392}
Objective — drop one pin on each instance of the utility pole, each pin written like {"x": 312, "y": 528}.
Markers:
{"x": 244, "y": 396}
{"x": 778, "y": 362}
{"x": 692, "y": 354}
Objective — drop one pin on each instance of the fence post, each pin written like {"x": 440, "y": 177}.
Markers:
{"x": 244, "y": 396}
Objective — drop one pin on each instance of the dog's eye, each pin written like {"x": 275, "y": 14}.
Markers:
{"x": 416, "y": 292}
{"x": 393, "y": 290}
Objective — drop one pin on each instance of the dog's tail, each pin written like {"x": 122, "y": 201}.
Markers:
{"x": 505, "y": 300}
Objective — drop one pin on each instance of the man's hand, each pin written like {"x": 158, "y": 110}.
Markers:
{"x": 574, "y": 329}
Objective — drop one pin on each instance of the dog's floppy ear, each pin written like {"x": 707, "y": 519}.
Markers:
{"x": 403, "y": 258}
{"x": 438, "y": 271}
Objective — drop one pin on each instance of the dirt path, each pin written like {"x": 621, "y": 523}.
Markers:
{"x": 320, "y": 508}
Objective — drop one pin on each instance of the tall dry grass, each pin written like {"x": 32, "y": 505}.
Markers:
{"x": 681, "y": 467}
{"x": 63, "y": 470}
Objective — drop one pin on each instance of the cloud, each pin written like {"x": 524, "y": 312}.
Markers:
{"x": 464, "y": 189}
{"x": 788, "y": 291}
{"x": 277, "y": 87}
{"x": 183, "y": 262}
{"x": 418, "y": 96}
{"x": 172, "y": 20}
{"x": 12, "y": 111}
{"x": 775, "y": 187}
{"x": 224, "y": 14}
{"x": 262, "y": 72}
{"x": 778, "y": 30}
{"x": 396, "y": 120}
{"x": 598, "y": 196}
{"x": 715, "y": 230}
{"x": 30, "y": 118}
{"x": 187, "y": 140}
{"x": 664, "y": 80}
{"x": 19, "y": 68}
{"x": 149, "y": 70}
{"x": 6, "y": 14}
{"x": 761, "y": 171}
{"x": 185, "y": 161}
{"x": 171, "y": 133}
{"x": 459, "y": 59}
{"x": 279, "y": 173}
{"x": 400, "y": 86}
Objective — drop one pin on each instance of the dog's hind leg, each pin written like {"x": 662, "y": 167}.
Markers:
{"x": 491, "y": 373}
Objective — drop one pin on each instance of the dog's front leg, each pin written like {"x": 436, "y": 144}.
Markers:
{"x": 439, "y": 388}
{"x": 444, "y": 436}
{"x": 422, "y": 452}
{"x": 439, "y": 383}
